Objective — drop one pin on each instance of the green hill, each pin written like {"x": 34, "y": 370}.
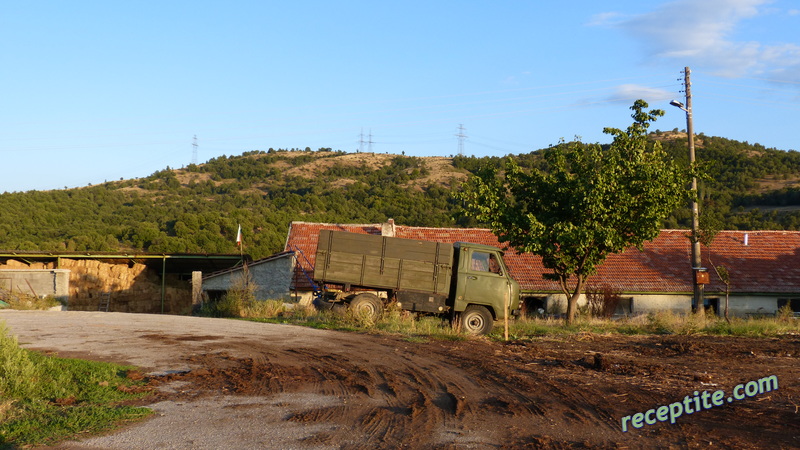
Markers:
{"x": 198, "y": 208}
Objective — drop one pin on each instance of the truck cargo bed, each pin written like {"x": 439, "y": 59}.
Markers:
{"x": 383, "y": 262}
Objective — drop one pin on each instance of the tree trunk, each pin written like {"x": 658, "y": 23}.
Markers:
{"x": 572, "y": 298}
{"x": 572, "y": 307}
{"x": 727, "y": 301}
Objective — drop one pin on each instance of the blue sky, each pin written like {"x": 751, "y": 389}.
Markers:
{"x": 96, "y": 90}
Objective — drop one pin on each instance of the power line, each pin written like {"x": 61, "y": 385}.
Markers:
{"x": 751, "y": 101}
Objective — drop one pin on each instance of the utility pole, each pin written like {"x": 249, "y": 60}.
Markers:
{"x": 698, "y": 273}
{"x": 461, "y": 136}
{"x": 194, "y": 150}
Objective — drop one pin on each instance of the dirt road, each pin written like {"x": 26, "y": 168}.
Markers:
{"x": 235, "y": 384}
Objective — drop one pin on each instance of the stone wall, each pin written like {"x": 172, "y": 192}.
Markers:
{"x": 272, "y": 278}
{"x": 36, "y": 282}
{"x": 134, "y": 288}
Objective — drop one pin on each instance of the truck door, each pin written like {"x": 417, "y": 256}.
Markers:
{"x": 485, "y": 282}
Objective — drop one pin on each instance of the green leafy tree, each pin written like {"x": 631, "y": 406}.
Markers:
{"x": 587, "y": 202}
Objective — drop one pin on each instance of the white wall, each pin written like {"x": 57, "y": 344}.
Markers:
{"x": 272, "y": 279}
{"x": 740, "y": 305}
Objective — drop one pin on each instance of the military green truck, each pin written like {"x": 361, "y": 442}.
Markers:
{"x": 468, "y": 282}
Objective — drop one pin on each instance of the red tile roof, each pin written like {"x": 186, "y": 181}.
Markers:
{"x": 769, "y": 263}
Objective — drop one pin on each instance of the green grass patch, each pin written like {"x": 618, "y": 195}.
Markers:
{"x": 413, "y": 326}
{"x": 667, "y": 323}
{"x": 420, "y": 328}
{"x": 46, "y": 399}
{"x": 240, "y": 303}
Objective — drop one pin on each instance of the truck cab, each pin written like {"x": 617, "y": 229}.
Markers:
{"x": 482, "y": 280}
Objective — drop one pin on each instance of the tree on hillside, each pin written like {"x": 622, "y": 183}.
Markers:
{"x": 585, "y": 204}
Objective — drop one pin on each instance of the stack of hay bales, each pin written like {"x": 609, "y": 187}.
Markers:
{"x": 133, "y": 287}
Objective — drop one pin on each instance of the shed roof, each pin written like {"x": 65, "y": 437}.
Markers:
{"x": 167, "y": 262}
{"x": 758, "y": 261}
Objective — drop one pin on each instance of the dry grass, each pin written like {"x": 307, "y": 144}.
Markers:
{"x": 5, "y": 409}
{"x": 440, "y": 169}
{"x": 16, "y": 300}
{"x": 775, "y": 183}
{"x": 371, "y": 161}
{"x": 664, "y": 322}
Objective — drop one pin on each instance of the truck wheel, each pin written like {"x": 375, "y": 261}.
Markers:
{"x": 368, "y": 304}
{"x": 476, "y": 320}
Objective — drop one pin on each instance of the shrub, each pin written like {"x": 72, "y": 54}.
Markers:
{"x": 17, "y": 372}
{"x": 18, "y": 300}
{"x": 602, "y": 300}
{"x": 786, "y": 313}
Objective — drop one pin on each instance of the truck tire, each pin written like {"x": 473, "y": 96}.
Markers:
{"x": 367, "y": 304}
{"x": 476, "y": 320}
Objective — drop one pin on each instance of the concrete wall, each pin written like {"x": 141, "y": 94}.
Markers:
{"x": 748, "y": 305}
{"x": 36, "y": 282}
{"x": 740, "y": 305}
{"x": 647, "y": 303}
{"x": 272, "y": 278}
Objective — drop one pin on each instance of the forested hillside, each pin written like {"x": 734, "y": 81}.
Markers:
{"x": 747, "y": 187}
{"x": 198, "y": 208}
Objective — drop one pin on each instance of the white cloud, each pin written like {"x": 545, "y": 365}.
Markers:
{"x": 700, "y": 33}
{"x": 628, "y": 93}
{"x": 605, "y": 19}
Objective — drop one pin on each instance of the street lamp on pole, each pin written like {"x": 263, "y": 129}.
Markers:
{"x": 696, "y": 260}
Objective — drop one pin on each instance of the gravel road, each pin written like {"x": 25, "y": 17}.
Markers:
{"x": 163, "y": 344}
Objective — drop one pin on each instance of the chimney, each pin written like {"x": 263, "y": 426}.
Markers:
{"x": 387, "y": 229}
{"x": 746, "y": 238}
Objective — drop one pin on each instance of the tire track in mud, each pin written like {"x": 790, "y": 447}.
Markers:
{"x": 391, "y": 394}
{"x": 542, "y": 394}
{"x": 391, "y": 400}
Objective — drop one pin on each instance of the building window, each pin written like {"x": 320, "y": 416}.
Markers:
{"x": 794, "y": 304}
{"x": 214, "y": 295}
{"x": 624, "y": 307}
{"x": 712, "y": 303}
{"x": 534, "y": 306}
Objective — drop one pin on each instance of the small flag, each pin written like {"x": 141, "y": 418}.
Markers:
{"x": 239, "y": 237}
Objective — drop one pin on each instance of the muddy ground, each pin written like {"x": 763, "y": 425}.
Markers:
{"x": 349, "y": 390}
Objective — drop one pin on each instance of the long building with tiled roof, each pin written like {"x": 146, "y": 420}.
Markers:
{"x": 764, "y": 266}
